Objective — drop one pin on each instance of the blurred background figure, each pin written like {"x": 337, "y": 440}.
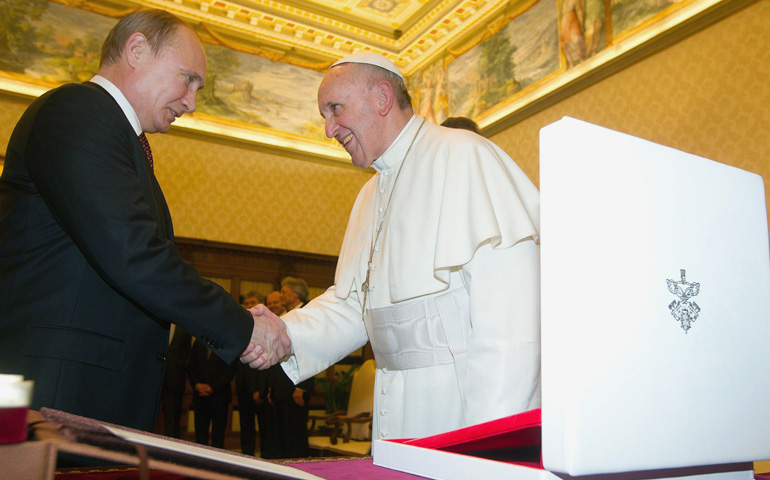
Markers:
{"x": 274, "y": 303}
{"x": 464, "y": 123}
{"x": 290, "y": 403}
{"x": 294, "y": 293}
{"x": 252, "y": 298}
{"x": 251, "y": 404}
{"x": 174, "y": 380}
{"x": 210, "y": 379}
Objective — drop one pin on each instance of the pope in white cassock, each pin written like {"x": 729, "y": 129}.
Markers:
{"x": 439, "y": 267}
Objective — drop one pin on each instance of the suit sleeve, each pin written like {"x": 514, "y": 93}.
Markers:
{"x": 87, "y": 165}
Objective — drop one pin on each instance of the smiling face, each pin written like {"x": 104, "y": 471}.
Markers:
{"x": 273, "y": 303}
{"x": 349, "y": 106}
{"x": 168, "y": 82}
{"x": 288, "y": 297}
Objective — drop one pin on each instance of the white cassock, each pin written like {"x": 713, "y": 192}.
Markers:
{"x": 454, "y": 299}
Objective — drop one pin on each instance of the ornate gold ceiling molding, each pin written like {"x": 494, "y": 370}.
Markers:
{"x": 491, "y": 29}
{"x": 108, "y": 11}
{"x": 450, "y": 29}
{"x": 270, "y": 55}
{"x": 289, "y": 34}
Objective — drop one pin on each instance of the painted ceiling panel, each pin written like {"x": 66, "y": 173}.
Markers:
{"x": 315, "y": 33}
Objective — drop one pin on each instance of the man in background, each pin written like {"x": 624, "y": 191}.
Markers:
{"x": 294, "y": 293}
{"x": 464, "y": 123}
{"x": 252, "y": 299}
{"x": 274, "y": 304}
{"x": 210, "y": 378}
{"x": 83, "y": 218}
{"x": 175, "y": 381}
{"x": 291, "y": 403}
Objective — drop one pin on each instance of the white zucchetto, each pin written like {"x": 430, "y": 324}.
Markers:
{"x": 370, "y": 58}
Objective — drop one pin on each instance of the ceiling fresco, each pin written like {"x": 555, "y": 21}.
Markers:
{"x": 495, "y": 61}
{"x": 315, "y": 33}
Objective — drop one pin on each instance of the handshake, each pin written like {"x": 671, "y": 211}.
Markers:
{"x": 269, "y": 342}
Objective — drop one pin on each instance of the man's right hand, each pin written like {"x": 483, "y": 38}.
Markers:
{"x": 269, "y": 343}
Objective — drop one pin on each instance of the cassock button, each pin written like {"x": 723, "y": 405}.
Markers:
{"x": 383, "y": 412}
{"x": 384, "y": 371}
{"x": 384, "y": 391}
{"x": 377, "y": 248}
{"x": 161, "y": 357}
{"x": 384, "y": 434}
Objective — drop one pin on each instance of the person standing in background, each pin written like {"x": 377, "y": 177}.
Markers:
{"x": 175, "y": 381}
{"x": 294, "y": 293}
{"x": 274, "y": 303}
{"x": 251, "y": 299}
{"x": 291, "y": 403}
{"x": 210, "y": 378}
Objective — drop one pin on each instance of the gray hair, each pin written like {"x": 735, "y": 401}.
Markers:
{"x": 298, "y": 286}
{"x": 159, "y": 27}
{"x": 375, "y": 74}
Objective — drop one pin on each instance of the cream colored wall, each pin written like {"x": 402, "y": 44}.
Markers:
{"x": 237, "y": 194}
{"x": 708, "y": 95}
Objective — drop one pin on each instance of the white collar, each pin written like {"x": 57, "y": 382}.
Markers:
{"x": 394, "y": 154}
{"x": 128, "y": 110}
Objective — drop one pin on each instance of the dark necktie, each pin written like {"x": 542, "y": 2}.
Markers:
{"x": 146, "y": 146}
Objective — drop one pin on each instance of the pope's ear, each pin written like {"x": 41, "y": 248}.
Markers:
{"x": 385, "y": 97}
{"x": 136, "y": 48}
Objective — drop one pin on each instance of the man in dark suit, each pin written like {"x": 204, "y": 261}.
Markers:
{"x": 291, "y": 403}
{"x": 83, "y": 219}
{"x": 211, "y": 380}
{"x": 175, "y": 381}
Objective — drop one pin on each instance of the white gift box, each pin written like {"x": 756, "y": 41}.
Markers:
{"x": 655, "y": 304}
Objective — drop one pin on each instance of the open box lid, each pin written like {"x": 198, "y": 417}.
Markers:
{"x": 655, "y": 304}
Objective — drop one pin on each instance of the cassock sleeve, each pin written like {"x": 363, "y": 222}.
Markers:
{"x": 322, "y": 333}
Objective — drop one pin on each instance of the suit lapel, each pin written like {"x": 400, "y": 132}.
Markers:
{"x": 158, "y": 204}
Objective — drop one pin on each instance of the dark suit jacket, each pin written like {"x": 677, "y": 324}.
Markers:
{"x": 89, "y": 274}
{"x": 282, "y": 388}
{"x": 211, "y": 370}
{"x": 175, "y": 375}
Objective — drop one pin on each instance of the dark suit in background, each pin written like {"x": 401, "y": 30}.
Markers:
{"x": 246, "y": 380}
{"x": 175, "y": 381}
{"x": 89, "y": 274}
{"x": 291, "y": 419}
{"x": 205, "y": 368}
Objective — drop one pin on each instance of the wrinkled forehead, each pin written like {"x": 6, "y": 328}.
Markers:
{"x": 344, "y": 74}
{"x": 339, "y": 83}
{"x": 191, "y": 47}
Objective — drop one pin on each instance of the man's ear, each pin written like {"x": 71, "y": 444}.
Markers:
{"x": 136, "y": 49}
{"x": 385, "y": 98}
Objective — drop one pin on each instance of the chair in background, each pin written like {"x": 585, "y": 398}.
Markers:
{"x": 351, "y": 430}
